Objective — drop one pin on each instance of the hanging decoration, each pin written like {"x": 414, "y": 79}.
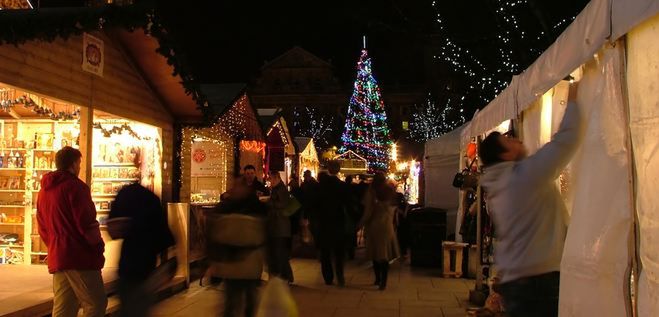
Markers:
{"x": 366, "y": 130}
{"x": 119, "y": 130}
{"x": 253, "y": 146}
{"x": 7, "y": 103}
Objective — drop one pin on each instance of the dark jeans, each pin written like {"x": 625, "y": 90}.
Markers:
{"x": 531, "y": 296}
{"x": 136, "y": 301}
{"x": 336, "y": 251}
{"x": 279, "y": 253}
{"x": 234, "y": 292}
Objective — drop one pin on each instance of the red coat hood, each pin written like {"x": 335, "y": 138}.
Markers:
{"x": 55, "y": 178}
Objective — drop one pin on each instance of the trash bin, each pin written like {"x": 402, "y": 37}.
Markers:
{"x": 428, "y": 230}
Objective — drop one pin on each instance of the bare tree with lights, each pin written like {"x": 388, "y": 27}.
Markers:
{"x": 430, "y": 121}
{"x": 312, "y": 123}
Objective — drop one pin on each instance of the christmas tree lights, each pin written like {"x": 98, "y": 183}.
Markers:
{"x": 366, "y": 131}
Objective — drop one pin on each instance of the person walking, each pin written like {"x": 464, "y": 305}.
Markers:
{"x": 529, "y": 213}
{"x": 236, "y": 234}
{"x": 279, "y": 229}
{"x": 332, "y": 206}
{"x": 67, "y": 224}
{"x": 378, "y": 220}
{"x": 137, "y": 217}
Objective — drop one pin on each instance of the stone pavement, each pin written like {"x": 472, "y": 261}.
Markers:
{"x": 411, "y": 292}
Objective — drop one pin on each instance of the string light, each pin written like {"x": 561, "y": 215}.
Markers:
{"x": 309, "y": 122}
{"x": 429, "y": 122}
{"x": 485, "y": 80}
{"x": 366, "y": 131}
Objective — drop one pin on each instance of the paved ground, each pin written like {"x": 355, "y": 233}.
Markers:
{"x": 411, "y": 292}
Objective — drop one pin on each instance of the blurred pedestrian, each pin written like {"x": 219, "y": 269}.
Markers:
{"x": 378, "y": 220}
{"x": 309, "y": 198}
{"x": 355, "y": 213}
{"x": 333, "y": 204}
{"x": 67, "y": 224}
{"x": 137, "y": 217}
{"x": 279, "y": 229}
{"x": 236, "y": 235}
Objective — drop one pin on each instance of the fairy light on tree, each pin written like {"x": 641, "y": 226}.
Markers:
{"x": 430, "y": 121}
{"x": 366, "y": 131}
{"x": 518, "y": 41}
{"x": 310, "y": 122}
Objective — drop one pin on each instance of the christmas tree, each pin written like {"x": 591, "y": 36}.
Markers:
{"x": 366, "y": 131}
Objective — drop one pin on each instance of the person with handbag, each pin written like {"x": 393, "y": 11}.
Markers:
{"x": 280, "y": 207}
{"x": 137, "y": 217}
{"x": 236, "y": 232}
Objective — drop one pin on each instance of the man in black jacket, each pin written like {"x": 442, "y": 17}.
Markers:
{"x": 333, "y": 204}
{"x": 146, "y": 235}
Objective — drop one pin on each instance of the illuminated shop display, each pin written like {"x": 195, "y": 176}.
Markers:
{"x": 123, "y": 152}
{"x": 32, "y": 129}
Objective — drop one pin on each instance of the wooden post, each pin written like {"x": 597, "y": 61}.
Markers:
{"x": 86, "y": 133}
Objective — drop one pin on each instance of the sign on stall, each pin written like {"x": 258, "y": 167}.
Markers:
{"x": 206, "y": 159}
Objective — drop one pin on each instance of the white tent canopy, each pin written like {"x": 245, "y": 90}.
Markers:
{"x": 612, "y": 180}
{"x": 441, "y": 162}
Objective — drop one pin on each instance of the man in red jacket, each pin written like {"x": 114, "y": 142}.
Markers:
{"x": 67, "y": 224}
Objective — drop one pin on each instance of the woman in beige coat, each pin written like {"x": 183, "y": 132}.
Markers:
{"x": 378, "y": 221}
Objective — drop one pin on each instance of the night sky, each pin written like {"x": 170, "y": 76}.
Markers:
{"x": 229, "y": 40}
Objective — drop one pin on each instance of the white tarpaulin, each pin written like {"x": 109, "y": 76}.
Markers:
{"x": 643, "y": 91}
{"x": 441, "y": 162}
{"x": 596, "y": 255}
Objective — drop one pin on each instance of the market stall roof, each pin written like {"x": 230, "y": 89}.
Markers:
{"x": 153, "y": 54}
{"x": 446, "y": 144}
{"x": 142, "y": 48}
{"x": 600, "y": 21}
{"x": 302, "y": 143}
{"x": 222, "y": 96}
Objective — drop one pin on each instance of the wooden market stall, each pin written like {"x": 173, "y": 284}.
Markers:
{"x": 122, "y": 102}
{"x": 280, "y": 146}
{"x": 352, "y": 163}
{"x": 307, "y": 156}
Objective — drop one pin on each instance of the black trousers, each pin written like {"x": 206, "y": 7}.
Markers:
{"x": 333, "y": 251}
{"x": 279, "y": 254}
{"x": 136, "y": 301}
{"x": 234, "y": 293}
{"x": 531, "y": 296}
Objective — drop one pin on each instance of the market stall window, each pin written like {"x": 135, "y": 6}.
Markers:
{"x": 209, "y": 168}
{"x": 123, "y": 152}
{"x": 32, "y": 129}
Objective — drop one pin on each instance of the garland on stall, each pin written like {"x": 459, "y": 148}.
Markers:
{"x": 118, "y": 130}
{"x": 20, "y": 26}
{"x": 27, "y": 102}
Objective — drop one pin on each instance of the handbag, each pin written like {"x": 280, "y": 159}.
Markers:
{"x": 466, "y": 178}
{"x": 291, "y": 208}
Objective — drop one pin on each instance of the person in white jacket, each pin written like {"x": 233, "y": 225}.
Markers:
{"x": 529, "y": 213}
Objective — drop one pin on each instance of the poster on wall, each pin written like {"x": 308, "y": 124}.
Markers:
{"x": 206, "y": 159}
{"x": 93, "y": 56}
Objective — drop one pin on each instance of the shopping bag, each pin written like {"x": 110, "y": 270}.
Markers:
{"x": 291, "y": 208}
{"x": 276, "y": 300}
